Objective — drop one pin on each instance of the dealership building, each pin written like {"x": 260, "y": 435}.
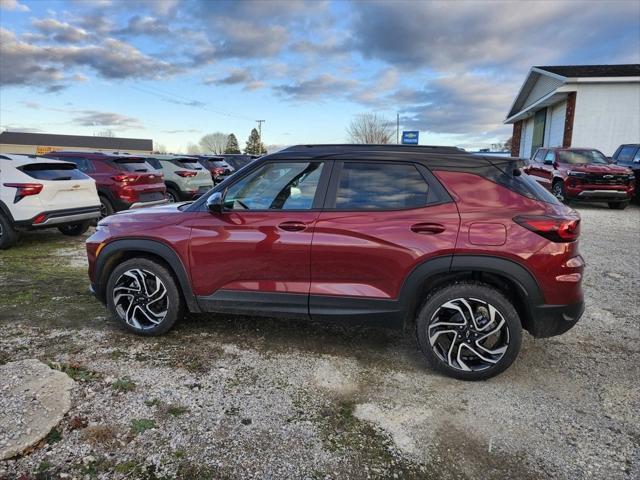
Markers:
{"x": 42, "y": 143}
{"x": 594, "y": 106}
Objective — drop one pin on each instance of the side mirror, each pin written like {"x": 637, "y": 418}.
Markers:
{"x": 548, "y": 162}
{"x": 215, "y": 203}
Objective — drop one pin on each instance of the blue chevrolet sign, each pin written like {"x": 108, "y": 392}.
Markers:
{"x": 410, "y": 138}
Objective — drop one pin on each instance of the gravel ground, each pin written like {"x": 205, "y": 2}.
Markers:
{"x": 241, "y": 397}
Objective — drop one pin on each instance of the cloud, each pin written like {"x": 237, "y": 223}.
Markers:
{"x": 93, "y": 118}
{"x": 51, "y": 67}
{"x": 59, "y": 31}
{"x": 314, "y": 88}
{"x": 146, "y": 25}
{"x": 458, "y": 36}
{"x": 237, "y": 76}
{"x": 13, "y": 5}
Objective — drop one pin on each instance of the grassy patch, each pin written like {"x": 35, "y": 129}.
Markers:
{"x": 140, "y": 425}
{"x": 124, "y": 384}
{"x": 76, "y": 371}
{"x": 100, "y": 434}
{"x": 177, "y": 410}
{"x": 152, "y": 402}
{"x": 54, "y": 436}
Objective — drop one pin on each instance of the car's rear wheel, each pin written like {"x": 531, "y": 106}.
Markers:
{"x": 469, "y": 331}
{"x": 558, "y": 190}
{"x": 144, "y": 297}
{"x": 106, "y": 208}
{"x": 172, "y": 196}
{"x": 8, "y": 236}
{"x": 75, "y": 229}
{"x": 618, "y": 205}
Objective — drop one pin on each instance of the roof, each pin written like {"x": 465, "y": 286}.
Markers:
{"x": 432, "y": 156}
{"x": 18, "y": 160}
{"x": 628, "y": 70}
{"x": 50, "y": 139}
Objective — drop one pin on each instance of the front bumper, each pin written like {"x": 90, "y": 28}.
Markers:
{"x": 619, "y": 195}
{"x": 552, "y": 320}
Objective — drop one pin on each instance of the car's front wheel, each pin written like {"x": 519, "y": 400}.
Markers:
{"x": 144, "y": 297}
{"x": 74, "y": 230}
{"x": 469, "y": 331}
{"x": 559, "y": 191}
{"x": 172, "y": 196}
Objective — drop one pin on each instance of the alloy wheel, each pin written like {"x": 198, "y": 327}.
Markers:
{"x": 468, "y": 334}
{"x": 140, "y": 298}
{"x": 171, "y": 198}
{"x": 103, "y": 210}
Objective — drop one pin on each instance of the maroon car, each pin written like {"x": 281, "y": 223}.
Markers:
{"x": 463, "y": 250}
{"x": 582, "y": 174}
{"x": 123, "y": 181}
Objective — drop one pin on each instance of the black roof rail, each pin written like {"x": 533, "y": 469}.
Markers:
{"x": 361, "y": 147}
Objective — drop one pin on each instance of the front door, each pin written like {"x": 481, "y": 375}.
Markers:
{"x": 256, "y": 254}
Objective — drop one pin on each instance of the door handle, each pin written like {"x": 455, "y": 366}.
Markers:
{"x": 292, "y": 226}
{"x": 427, "y": 228}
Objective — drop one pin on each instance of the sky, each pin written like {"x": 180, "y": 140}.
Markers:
{"x": 176, "y": 70}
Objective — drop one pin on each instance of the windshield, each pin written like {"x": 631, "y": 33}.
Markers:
{"x": 581, "y": 157}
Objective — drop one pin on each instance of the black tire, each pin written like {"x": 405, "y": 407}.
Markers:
{"x": 174, "y": 306}
{"x": 618, "y": 205}
{"x": 559, "y": 191}
{"x": 106, "y": 207}
{"x": 172, "y": 195}
{"x": 8, "y": 236}
{"x": 74, "y": 230}
{"x": 509, "y": 335}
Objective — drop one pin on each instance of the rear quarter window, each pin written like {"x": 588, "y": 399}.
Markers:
{"x": 132, "y": 165}
{"x": 53, "y": 171}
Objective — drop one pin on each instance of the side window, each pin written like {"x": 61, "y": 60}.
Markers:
{"x": 626, "y": 155}
{"x": 636, "y": 157}
{"x": 550, "y": 156}
{"x": 276, "y": 186}
{"x": 540, "y": 155}
{"x": 367, "y": 186}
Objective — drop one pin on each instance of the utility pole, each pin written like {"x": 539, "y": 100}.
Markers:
{"x": 260, "y": 122}
{"x": 398, "y": 128}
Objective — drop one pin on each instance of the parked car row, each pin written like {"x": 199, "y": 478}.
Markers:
{"x": 585, "y": 174}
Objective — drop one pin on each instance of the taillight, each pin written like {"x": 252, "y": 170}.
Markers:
{"x": 556, "y": 229}
{"x": 184, "y": 173}
{"x": 124, "y": 178}
{"x": 217, "y": 171}
{"x": 24, "y": 190}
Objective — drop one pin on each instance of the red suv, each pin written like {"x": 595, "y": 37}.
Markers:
{"x": 582, "y": 174}
{"x": 123, "y": 181}
{"x": 464, "y": 250}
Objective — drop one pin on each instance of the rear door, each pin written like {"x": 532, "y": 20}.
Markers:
{"x": 381, "y": 219}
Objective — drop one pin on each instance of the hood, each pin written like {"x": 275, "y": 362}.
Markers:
{"x": 604, "y": 169}
{"x": 157, "y": 214}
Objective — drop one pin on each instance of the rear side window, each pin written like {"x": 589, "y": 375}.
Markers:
{"x": 380, "y": 186}
{"x": 513, "y": 178}
{"x": 83, "y": 164}
{"x": 53, "y": 171}
{"x": 155, "y": 163}
{"x": 132, "y": 165}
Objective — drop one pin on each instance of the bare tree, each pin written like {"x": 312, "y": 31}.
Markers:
{"x": 371, "y": 128}
{"x": 193, "y": 149}
{"x": 213, "y": 143}
{"x": 159, "y": 148}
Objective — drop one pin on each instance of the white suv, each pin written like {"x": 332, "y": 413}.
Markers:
{"x": 40, "y": 193}
{"x": 184, "y": 176}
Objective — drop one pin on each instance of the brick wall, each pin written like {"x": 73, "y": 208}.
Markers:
{"x": 515, "y": 139}
{"x": 568, "y": 119}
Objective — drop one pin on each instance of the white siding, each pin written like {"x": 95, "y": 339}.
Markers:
{"x": 606, "y": 116}
{"x": 554, "y": 131}
{"x": 526, "y": 138}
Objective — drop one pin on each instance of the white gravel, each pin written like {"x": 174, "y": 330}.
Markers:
{"x": 256, "y": 398}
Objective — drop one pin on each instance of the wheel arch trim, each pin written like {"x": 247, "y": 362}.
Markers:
{"x": 153, "y": 247}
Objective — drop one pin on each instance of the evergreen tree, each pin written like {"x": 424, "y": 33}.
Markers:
{"x": 254, "y": 146}
{"x": 232, "y": 144}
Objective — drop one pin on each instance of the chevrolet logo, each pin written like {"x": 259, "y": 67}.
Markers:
{"x": 152, "y": 176}
{"x": 607, "y": 176}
